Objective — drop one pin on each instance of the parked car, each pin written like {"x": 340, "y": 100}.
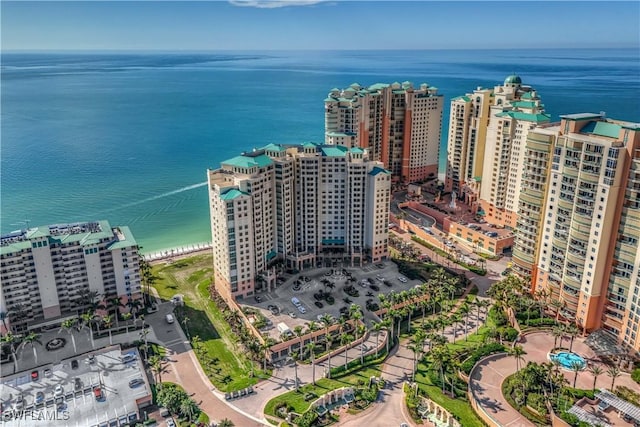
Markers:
{"x": 136, "y": 382}
{"x": 35, "y": 375}
{"x": 74, "y": 364}
{"x": 39, "y": 398}
{"x": 98, "y": 394}
{"x": 402, "y": 279}
{"x": 292, "y": 315}
{"x": 47, "y": 373}
{"x": 258, "y": 298}
{"x": 295, "y": 301}
{"x": 318, "y": 304}
{"x": 77, "y": 384}
{"x": 171, "y": 423}
{"x": 302, "y": 310}
{"x": 58, "y": 391}
{"x": 129, "y": 357}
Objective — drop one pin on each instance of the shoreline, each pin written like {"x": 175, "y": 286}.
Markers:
{"x": 179, "y": 252}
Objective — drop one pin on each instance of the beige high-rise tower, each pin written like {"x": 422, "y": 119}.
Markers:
{"x": 485, "y": 150}
{"x": 581, "y": 204}
{"x": 400, "y": 125}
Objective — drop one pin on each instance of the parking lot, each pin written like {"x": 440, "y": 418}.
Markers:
{"x": 280, "y": 307}
{"x": 96, "y": 389}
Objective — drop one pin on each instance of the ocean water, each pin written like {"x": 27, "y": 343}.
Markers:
{"x": 128, "y": 137}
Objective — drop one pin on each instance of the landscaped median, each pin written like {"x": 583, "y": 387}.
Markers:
{"x": 220, "y": 355}
{"x": 299, "y": 402}
{"x": 473, "y": 268}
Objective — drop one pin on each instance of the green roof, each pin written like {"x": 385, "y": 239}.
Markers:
{"x": 377, "y": 170}
{"x": 333, "y": 150}
{"x": 330, "y": 99}
{"x": 527, "y": 95}
{"x": 477, "y": 178}
{"x": 524, "y": 104}
{"x": 513, "y": 79}
{"x": 610, "y": 130}
{"x": 128, "y": 240}
{"x": 519, "y": 115}
{"x": 581, "y": 116}
{"x": 378, "y": 86}
{"x": 245, "y": 161}
{"x": 65, "y": 234}
{"x": 461, "y": 98}
{"x": 274, "y": 147}
{"x": 357, "y": 150}
{"x": 309, "y": 144}
{"x": 232, "y": 193}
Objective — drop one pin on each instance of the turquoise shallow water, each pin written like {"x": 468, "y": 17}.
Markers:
{"x": 128, "y": 137}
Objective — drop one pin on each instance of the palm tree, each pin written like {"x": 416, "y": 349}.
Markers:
{"x": 596, "y": 371}
{"x": 345, "y": 339}
{"x": 143, "y": 334}
{"x": 558, "y": 332}
{"x": 107, "y": 321}
{"x": 294, "y": 355}
{"x": 517, "y": 351}
{"x": 330, "y": 342}
{"x": 13, "y": 341}
{"x": 298, "y": 331}
{"x": 613, "y": 372}
{"x": 189, "y": 408}
{"x": 313, "y": 326}
{"x": 440, "y": 356}
{"x": 557, "y": 306}
{"x": 311, "y": 349}
{"x": 327, "y": 321}
{"x": 575, "y": 367}
{"x": 573, "y": 332}
{"x": 31, "y": 339}
{"x": 69, "y": 325}
{"x": 226, "y": 423}
{"x": 185, "y": 322}
{"x": 464, "y": 310}
{"x": 265, "y": 348}
{"x": 86, "y": 321}
{"x": 377, "y": 327}
{"x": 158, "y": 367}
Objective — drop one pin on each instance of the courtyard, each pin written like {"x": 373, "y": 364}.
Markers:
{"x": 306, "y": 287}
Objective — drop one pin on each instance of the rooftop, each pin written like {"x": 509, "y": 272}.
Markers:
{"x": 248, "y": 161}
{"x": 232, "y": 193}
{"x": 106, "y": 371}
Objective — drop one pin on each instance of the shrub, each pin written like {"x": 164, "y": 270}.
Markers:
{"x": 497, "y": 316}
{"x": 307, "y": 419}
{"x": 537, "y": 402}
{"x": 570, "y": 419}
{"x": 479, "y": 353}
{"x": 635, "y": 375}
{"x": 543, "y": 321}
{"x": 508, "y": 333}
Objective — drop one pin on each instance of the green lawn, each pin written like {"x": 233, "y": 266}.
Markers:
{"x": 223, "y": 361}
{"x": 323, "y": 386}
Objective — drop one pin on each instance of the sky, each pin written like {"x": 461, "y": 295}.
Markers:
{"x": 314, "y": 24}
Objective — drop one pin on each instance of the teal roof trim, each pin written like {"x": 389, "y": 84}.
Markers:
{"x": 461, "y": 98}
{"x": 357, "y": 150}
{"x": 519, "y": 115}
{"x": 232, "y": 193}
{"x": 524, "y": 104}
{"x": 610, "y": 130}
{"x": 378, "y": 86}
{"x": 333, "y": 150}
{"x": 244, "y": 161}
{"x": 377, "y": 170}
{"x": 127, "y": 242}
{"x": 274, "y": 147}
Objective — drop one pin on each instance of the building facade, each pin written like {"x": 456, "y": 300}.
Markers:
{"x": 48, "y": 272}
{"x": 300, "y": 205}
{"x": 486, "y": 145}
{"x": 398, "y": 124}
{"x": 587, "y": 216}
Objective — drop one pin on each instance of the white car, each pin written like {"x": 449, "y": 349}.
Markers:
{"x": 402, "y": 279}
{"x": 292, "y": 315}
{"x": 58, "y": 391}
{"x": 301, "y": 309}
{"x": 295, "y": 301}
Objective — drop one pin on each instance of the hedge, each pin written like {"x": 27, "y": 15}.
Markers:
{"x": 479, "y": 353}
{"x": 635, "y": 375}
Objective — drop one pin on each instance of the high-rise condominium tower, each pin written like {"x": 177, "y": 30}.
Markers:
{"x": 56, "y": 271}
{"x": 400, "y": 125}
{"x": 487, "y": 130}
{"x": 299, "y": 205}
{"x": 580, "y": 207}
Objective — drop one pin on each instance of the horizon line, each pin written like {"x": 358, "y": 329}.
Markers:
{"x": 161, "y": 50}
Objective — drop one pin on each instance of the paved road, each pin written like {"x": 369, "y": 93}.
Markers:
{"x": 396, "y": 370}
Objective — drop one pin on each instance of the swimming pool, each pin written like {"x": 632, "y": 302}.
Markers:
{"x": 566, "y": 359}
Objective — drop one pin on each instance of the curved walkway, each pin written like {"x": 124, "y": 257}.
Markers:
{"x": 486, "y": 379}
